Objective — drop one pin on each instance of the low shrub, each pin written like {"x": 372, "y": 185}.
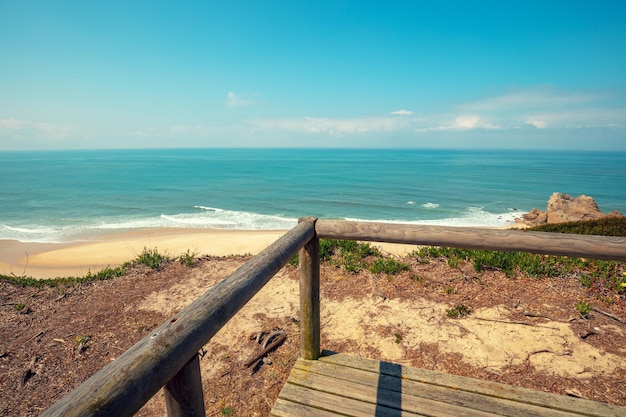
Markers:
{"x": 583, "y": 308}
{"x": 151, "y": 258}
{"x": 388, "y": 266}
{"x": 460, "y": 310}
{"x": 608, "y": 226}
{"x": 188, "y": 258}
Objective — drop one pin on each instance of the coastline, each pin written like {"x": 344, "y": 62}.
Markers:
{"x": 51, "y": 260}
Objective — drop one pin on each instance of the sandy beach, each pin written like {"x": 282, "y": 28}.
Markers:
{"x": 49, "y": 260}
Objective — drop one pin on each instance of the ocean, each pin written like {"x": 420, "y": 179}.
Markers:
{"x": 61, "y": 196}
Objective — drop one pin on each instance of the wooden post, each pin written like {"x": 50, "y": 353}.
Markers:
{"x": 310, "y": 297}
{"x": 183, "y": 393}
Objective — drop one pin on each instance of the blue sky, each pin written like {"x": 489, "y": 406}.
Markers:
{"x": 455, "y": 74}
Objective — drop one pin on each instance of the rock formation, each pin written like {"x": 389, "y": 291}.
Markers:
{"x": 564, "y": 208}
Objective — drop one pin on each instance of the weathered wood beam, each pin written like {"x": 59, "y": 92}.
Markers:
{"x": 310, "y": 298}
{"x": 122, "y": 387}
{"x": 584, "y": 246}
{"x": 183, "y": 393}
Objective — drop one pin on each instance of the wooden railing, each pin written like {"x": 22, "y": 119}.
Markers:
{"x": 168, "y": 357}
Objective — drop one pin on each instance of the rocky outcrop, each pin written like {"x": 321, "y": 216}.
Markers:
{"x": 564, "y": 208}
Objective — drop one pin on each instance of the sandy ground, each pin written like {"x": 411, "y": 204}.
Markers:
{"x": 488, "y": 339}
{"x": 49, "y": 260}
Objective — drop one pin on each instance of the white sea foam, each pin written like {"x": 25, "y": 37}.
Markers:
{"x": 410, "y": 202}
{"x": 34, "y": 233}
{"x": 205, "y": 217}
{"x": 472, "y": 217}
{"x": 430, "y": 205}
{"x": 189, "y": 220}
{"x": 208, "y": 217}
{"x": 209, "y": 208}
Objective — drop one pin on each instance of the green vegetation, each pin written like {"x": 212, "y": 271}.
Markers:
{"x": 106, "y": 273}
{"x": 590, "y": 271}
{"x": 188, "y": 258}
{"x": 388, "y": 266}
{"x": 583, "y": 308}
{"x": 349, "y": 254}
{"x": 19, "y": 306}
{"x": 608, "y": 226}
{"x": 460, "y": 310}
{"x": 507, "y": 262}
{"x": 83, "y": 339}
{"x": 151, "y": 258}
{"x": 294, "y": 261}
{"x": 330, "y": 249}
{"x": 227, "y": 411}
{"x": 418, "y": 278}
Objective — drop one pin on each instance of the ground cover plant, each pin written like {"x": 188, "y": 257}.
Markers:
{"x": 607, "y": 226}
{"x": 151, "y": 258}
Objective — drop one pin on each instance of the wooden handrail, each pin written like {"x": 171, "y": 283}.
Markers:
{"x": 125, "y": 385}
{"x": 583, "y": 246}
{"x": 168, "y": 356}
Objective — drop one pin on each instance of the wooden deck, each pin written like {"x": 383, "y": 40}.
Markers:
{"x": 339, "y": 384}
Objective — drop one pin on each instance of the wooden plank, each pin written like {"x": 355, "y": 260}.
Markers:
{"x": 486, "y": 388}
{"x": 598, "y": 247}
{"x": 286, "y": 408}
{"x": 310, "y": 298}
{"x": 397, "y": 397}
{"x": 123, "y": 386}
{"x": 183, "y": 393}
{"x": 337, "y": 404}
{"x": 326, "y": 377}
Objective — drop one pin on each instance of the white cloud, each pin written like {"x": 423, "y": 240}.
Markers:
{"x": 464, "y": 122}
{"x": 45, "y": 130}
{"x": 11, "y": 123}
{"x": 233, "y": 100}
{"x": 545, "y": 107}
{"x": 331, "y": 126}
{"x": 575, "y": 118}
{"x": 532, "y": 98}
{"x": 539, "y": 124}
{"x": 402, "y": 112}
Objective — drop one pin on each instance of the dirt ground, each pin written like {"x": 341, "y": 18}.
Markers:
{"x": 521, "y": 331}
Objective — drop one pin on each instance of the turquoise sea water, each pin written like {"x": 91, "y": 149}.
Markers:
{"x": 59, "y": 196}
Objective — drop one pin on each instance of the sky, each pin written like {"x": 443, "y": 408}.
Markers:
{"x": 359, "y": 74}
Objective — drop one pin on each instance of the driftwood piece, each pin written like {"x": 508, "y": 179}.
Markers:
{"x": 271, "y": 337}
{"x": 609, "y": 315}
{"x": 538, "y": 315}
{"x": 523, "y": 323}
{"x": 279, "y": 341}
{"x": 535, "y": 352}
